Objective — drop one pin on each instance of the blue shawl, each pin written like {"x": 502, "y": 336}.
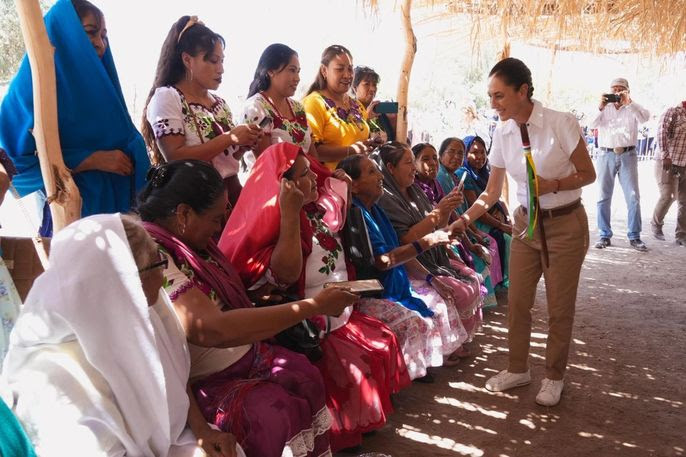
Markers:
{"x": 481, "y": 176}
{"x": 395, "y": 281}
{"x": 91, "y": 114}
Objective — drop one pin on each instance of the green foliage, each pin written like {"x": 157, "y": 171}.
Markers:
{"x": 11, "y": 42}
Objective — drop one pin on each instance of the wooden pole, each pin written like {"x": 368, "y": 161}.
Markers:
{"x": 405, "y": 70}
{"x": 63, "y": 195}
{"x": 504, "y": 54}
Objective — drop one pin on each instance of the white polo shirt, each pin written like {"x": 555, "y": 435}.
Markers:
{"x": 553, "y": 136}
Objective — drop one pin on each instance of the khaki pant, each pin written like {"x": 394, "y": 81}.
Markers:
{"x": 671, "y": 188}
{"x": 567, "y": 239}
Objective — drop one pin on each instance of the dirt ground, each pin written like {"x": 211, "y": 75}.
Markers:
{"x": 625, "y": 390}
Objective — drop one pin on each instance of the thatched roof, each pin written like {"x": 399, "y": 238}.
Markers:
{"x": 606, "y": 26}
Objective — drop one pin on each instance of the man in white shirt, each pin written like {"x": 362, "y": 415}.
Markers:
{"x": 617, "y": 124}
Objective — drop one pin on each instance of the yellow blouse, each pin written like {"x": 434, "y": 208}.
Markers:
{"x": 334, "y": 126}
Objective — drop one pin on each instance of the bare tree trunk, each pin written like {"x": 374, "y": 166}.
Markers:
{"x": 63, "y": 195}
{"x": 405, "y": 70}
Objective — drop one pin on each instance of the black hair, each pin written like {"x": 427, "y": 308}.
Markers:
{"x": 351, "y": 165}
{"x": 365, "y": 73}
{"x": 391, "y": 152}
{"x": 514, "y": 73}
{"x": 194, "y": 40}
{"x": 275, "y": 57}
{"x": 446, "y": 143}
{"x": 328, "y": 55}
{"x": 419, "y": 147}
{"x": 193, "y": 182}
{"x": 83, "y": 8}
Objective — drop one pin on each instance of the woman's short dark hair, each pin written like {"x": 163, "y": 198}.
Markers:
{"x": 328, "y": 55}
{"x": 351, "y": 165}
{"x": 83, "y": 8}
{"x": 446, "y": 143}
{"x": 514, "y": 73}
{"x": 419, "y": 147}
{"x": 194, "y": 40}
{"x": 274, "y": 58}
{"x": 193, "y": 182}
{"x": 391, "y": 152}
{"x": 365, "y": 73}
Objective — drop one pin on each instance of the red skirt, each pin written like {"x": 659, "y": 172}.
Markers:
{"x": 362, "y": 366}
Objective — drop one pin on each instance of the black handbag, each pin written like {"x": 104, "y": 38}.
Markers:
{"x": 302, "y": 338}
{"x": 355, "y": 239}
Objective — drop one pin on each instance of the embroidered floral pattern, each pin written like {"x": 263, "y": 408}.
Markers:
{"x": 324, "y": 238}
{"x": 296, "y": 127}
{"x": 352, "y": 115}
{"x": 193, "y": 280}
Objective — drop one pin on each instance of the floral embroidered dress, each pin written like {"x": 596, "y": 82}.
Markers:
{"x": 270, "y": 398}
{"x": 288, "y": 127}
{"x": 334, "y": 125}
{"x": 170, "y": 114}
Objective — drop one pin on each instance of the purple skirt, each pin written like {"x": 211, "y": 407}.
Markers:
{"x": 272, "y": 398}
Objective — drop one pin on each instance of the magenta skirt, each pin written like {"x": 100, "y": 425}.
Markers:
{"x": 271, "y": 399}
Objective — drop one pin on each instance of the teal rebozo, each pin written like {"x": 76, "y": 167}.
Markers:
{"x": 13, "y": 440}
{"x": 94, "y": 123}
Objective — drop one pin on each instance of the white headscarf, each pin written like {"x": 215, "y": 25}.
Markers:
{"x": 93, "y": 369}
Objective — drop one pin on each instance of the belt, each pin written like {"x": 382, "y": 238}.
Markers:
{"x": 619, "y": 150}
{"x": 559, "y": 211}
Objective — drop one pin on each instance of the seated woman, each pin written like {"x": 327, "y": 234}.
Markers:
{"x": 97, "y": 364}
{"x": 362, "y": 365}
{"x": 451, "y": 155}
{"x": 496, "y": 221}
{"x": 338, "y": 121}
{"x": 182, "y": 118}
{"x": 99, "y": 142}
{"x": 394, "y": 264}
{"x": 272, "y": 399}
{"x": 365, "y": 84}
{"x": 413, "y": 216}
{"x": 475, "y": 256}
{"x": 270, "y": 104}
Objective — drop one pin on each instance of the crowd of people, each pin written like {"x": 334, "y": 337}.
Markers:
{"x": 209, "y": 317}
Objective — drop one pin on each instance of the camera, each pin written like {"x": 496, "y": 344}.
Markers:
{"x": 612, "y": 98}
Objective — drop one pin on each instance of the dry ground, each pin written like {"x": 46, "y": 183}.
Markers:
{"x": 625, "y": 390}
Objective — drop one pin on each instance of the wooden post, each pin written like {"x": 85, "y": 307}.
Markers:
{"x": 63, "y": 195}
{"x": 504, "y": 54}
{"x": 405, "y": 70}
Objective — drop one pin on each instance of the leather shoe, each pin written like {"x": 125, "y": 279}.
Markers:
{"x": 603, "y": 243}
{"x": 681, "y": 243}
{"x": 658, "y": 235}
{"x": 638, "y": 245}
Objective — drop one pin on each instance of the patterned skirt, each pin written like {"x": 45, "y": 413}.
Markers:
{"x": 362, "y": 366}
{"x": 272, "y": 400}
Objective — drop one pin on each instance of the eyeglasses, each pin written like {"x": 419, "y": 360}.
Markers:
{"x": 162, "y": 262}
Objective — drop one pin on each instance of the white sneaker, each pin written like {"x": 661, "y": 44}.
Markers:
{"x": 506, "y": 380}
{"x": 550, "y": 392}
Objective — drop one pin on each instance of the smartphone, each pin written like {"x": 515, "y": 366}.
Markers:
{"x": 460, "y": 186}
{"x": 386, "y": 108}
{"x": 612, "y": 98}
{"x": 264, "y": 122}
{"x": 361, "y": 287}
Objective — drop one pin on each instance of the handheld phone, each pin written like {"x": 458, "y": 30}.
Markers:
{"x": 612, "y": 98}
{"x": 386, "y": 108}
{"x": 361, "y": 287}
{"x": 460, "y": 186}
{"x": 264, "y": 122}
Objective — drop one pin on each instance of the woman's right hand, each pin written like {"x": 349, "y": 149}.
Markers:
{"x": 290, "y": 197}
{"x": 505, "y": 227}
{"x": 111, "y": 161}
{"x": 332, "y": 301}
{"x": 360, "y": 147}
{"x": 438, "y": 238}
{"x": 245, "y": 134}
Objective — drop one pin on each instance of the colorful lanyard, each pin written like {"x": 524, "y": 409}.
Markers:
{"x": 531, "y": 183}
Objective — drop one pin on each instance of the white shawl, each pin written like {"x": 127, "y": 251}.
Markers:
{"x": 93, "y": 370}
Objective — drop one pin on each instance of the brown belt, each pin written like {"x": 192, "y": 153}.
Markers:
{"x": 559, "y": 211}
{"x": 554, "y": 212}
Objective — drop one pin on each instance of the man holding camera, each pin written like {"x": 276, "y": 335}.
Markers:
{"x": 617, "y": 124}
{"x": 670, "y": 171}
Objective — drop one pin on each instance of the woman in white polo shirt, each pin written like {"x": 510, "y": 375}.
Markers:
{"x": 554, "y": 243}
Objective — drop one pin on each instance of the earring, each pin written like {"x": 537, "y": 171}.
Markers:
{"x": 183, "y": 229}
{"x": 190, "y": 79}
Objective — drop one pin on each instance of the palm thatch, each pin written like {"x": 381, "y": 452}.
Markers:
{"x": 649, "y": 27}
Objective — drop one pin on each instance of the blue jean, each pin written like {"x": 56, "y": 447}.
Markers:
{"x": 609, "y": 165}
